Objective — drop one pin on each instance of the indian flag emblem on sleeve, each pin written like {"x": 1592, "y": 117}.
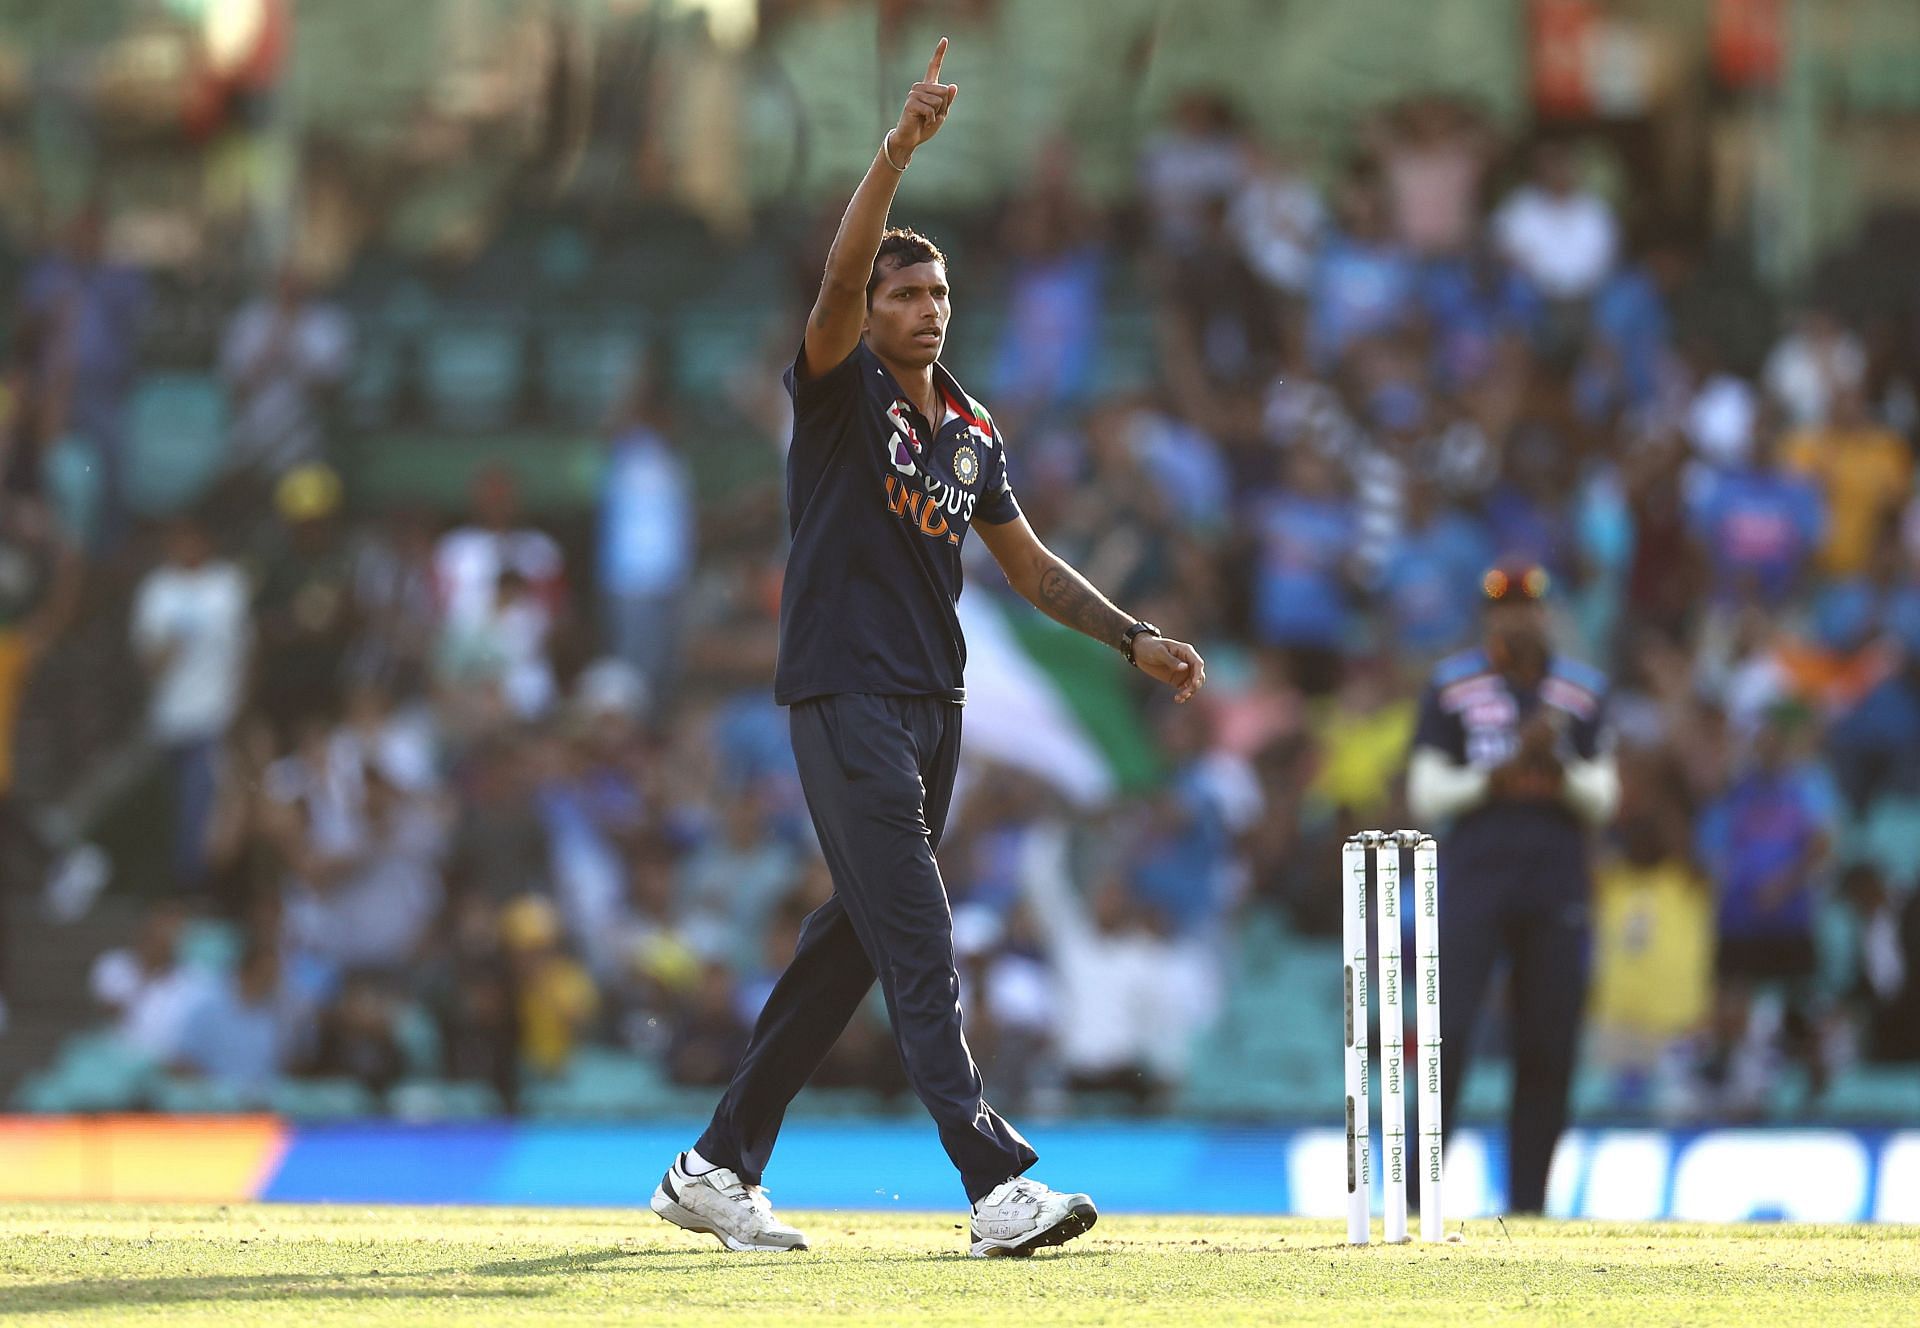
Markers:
{"x": 966, "y": 464}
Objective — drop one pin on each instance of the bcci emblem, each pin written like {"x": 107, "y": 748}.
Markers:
{"x": 966, "y": 464}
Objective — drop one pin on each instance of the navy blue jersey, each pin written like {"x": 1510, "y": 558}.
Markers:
{"x": 1473, "y": 715}
{"x": 877, "y": 504}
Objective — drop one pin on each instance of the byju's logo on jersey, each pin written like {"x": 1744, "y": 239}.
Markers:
{"x": 905, "y": 444}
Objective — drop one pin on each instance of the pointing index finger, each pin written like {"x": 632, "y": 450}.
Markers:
{"x": 933, "y": 65}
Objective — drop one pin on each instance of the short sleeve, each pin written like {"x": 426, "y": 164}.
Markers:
{"x": 997, "y": 503}
{"x": 825, "y": 392}
{"x": 1439, "y": 729}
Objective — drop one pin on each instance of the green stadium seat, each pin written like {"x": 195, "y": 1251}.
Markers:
{"x": 1593, "y": 1093}
{"x": 407, "y": 309}
{"x": 186, "y": 1096}
{"x": 1129, "y": 358}
{"x": 588, "y": 370}
{"x": 373, "y": 387}
{"x": 321, "y": 1099}
{"x": 1488, "y": 1092}
{"x": 710, "y": 345}
{"x": 73, "y": 483}
{"x": 41, "y": 1093}
{"x": 176, "y": 441}
{"x": 601, "y": 1083}
{"x": 1875, "y": 1094}
{"x": 973, "y": 346}
{"x": 563, "y": 258}
{"x": 444, "y": 1100}
{"x": 1223, "y": 1091}
{"x": 419, "y": 1038}
{"x": 472, "y": 373}
{"x": 92, "y": 1072}
{"x": 1889, "y": 837}
{"x": 210, "y": 945}
{"x": 1789, "y": 1094}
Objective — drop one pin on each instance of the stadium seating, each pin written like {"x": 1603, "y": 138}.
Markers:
{"x": 586, "y": 368}
{"x": 472, "y": 371}
{"x": 193, "y": 1097}
{"x": 321, "y": 1099}
{"x": 421, "y": 1100}
{"x": 598, "y": 1082}
{"x": 93, "y": 1072}
{"x": 176, "y": 441}
{"x": 1874, "y": 1094}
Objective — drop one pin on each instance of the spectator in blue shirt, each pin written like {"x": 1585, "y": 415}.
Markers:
{"x": 1630, "y": 321}
{"x": 1053, "y": 291}
{"x": 1759, "y": 526}
{"x": 238, "y": 1036}
{"x": 80, "y": 324}
{"x": 1428, "y": 577}
{"x": 1306, "y": 534}
{"x": 1875, "y": 744}
{"x": 1182, "y": 863}
{"x": 1366, "y": 284}
{"x": 1473, "y": 301}
{"x": 1765, "y": 839}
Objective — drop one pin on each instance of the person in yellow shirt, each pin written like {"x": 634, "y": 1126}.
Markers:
{"x": 1363, "y": 740}
{"x": 1866, "y": 472}
{"x": 556, "y": 994}
{"x": 1653, "y": 950}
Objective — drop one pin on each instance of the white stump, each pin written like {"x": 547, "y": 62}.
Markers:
{"x": 1393, "y": 1102}
{"x": 1353, "y": 932}
{"x": 1426, "y": 938}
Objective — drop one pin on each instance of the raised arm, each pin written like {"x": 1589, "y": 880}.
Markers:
{"x": 1060, "y": 592}
{"x": 840, "y": 310}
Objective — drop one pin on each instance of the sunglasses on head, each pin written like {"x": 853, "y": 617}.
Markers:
{"x": 1501, "y": 586}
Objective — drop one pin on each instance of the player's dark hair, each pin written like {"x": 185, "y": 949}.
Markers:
{"x": 902, "y": 247}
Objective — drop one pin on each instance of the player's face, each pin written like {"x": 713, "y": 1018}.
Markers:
{"x": 907, "y": 316}
{"x": 1516, "y": 630}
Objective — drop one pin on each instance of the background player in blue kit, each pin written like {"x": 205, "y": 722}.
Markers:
{"x": 891, "y": 464}
{"x": 1512, "y": 747}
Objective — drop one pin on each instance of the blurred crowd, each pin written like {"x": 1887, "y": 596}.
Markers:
{"x": 506, "y": 788}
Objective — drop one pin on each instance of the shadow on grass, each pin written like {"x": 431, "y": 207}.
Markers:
{"x": 418, "y": 1283}
{"x": 342, "y": 1284}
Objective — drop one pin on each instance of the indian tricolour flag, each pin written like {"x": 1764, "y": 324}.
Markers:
{"x": 1045, "y": 699}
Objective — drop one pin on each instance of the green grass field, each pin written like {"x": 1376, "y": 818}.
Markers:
{"x": 351, "y": 1265}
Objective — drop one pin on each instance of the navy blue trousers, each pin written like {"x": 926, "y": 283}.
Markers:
{"x": 878, "y": 774}
{"x": 1544, "y": 943}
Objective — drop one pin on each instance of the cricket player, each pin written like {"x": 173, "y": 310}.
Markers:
{"x": 1512, "y": 748}
{"x": 891, "y": 464}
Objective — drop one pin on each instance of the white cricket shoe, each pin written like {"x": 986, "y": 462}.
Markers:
{"x": 719, "y": 1204}
{"x": 1023, "y": 1215}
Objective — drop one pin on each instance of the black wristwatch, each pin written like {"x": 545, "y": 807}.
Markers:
{"x": 1126, "y": 639}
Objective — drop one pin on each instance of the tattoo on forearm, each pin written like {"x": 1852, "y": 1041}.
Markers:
{"x": 1064, "y": 595}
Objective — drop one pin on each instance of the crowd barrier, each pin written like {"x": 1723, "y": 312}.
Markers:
{"x": 1800, "y": 1174}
